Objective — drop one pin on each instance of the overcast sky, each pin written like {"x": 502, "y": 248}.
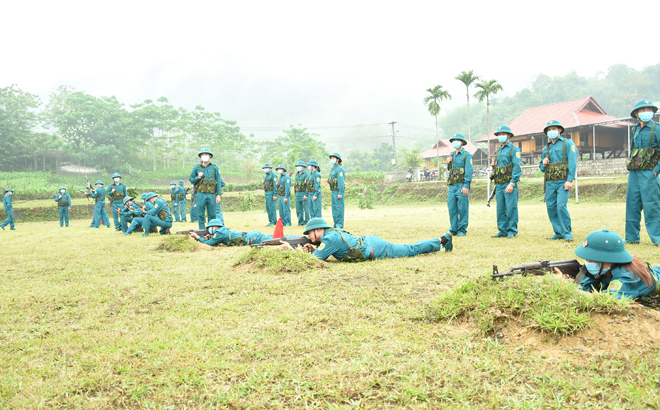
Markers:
{"x": 275, "y": 63}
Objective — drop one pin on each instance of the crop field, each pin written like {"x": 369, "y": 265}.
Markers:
{"x": 90, "y": 319}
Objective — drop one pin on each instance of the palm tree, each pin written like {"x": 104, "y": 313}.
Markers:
{"x": 467, "y": 78}
{"x": 487, "y": 88}
{"x": 432, "y": 102}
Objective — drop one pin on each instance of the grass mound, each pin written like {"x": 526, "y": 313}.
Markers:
{"x": 546, "y": 303}
{"x": 278, "y": 260}
{"x": 178, "y": 243}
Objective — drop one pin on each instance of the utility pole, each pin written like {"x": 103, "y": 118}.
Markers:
{"x": 394, "y": 144}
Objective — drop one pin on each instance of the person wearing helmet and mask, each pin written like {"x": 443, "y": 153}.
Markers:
{"x": 9, "y": 208}
{"x": 270, "y": 185}
{"x": 284, "y": 195}
{"x": 506, "y": 172}
{"x": 63, "y": 206}
{"x": 347, "y": 248}
{"x": 160, "y": 215}
{"x": 100, "y": 213}
{"x": 300, "y": 185}
{"x": 316, "y": 194}
{"x": 117, "y": 192}
{"x": 181, "y": 197}
{"x": 458, "y": 193}
{"x": 336, "y": 182}
{"x": 559, "y": 166}
{"x": 221, "y": 235}
{"x": 644, "y": 166}
{"x": 174, "y": 192}
{"x": 206, "y": 177}
{"x": 608, "y": 267}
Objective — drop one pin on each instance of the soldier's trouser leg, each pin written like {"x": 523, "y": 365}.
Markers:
{"x": 10, "y": 219}
{"x": 205, "y": 206}
{"x": 115, "y": 214}
{"x": 643, "y": 195}
{"x": 337, "y": 210}
{"x": 507, "y": 210}
{"x": 317, "y": 206}
{"x": 193, "y": 211}
{"x": 307, "y": 204}
{"x": 97, "y": 214}
{"x": 452, "y": 207}
{"x": 61, "y": 210}
{"x": 502, "y": 219}
{"x": 556, "y": 199}
{"x": 123, "y": 222}
{"x": 182, "y": 210}
{"x": 383, "y": 249}
{"x": 218, "y": 210}
{"x": 66, "y": 215}
{"x": 285, "y": 211}
{"x": 463, "y": 203}
{"x": 176, "y": 213}
{"x": 136, "y": 223}
{"x": 104, "y": 216}
{"x": 151, "y": 220}
{"x": 271, "y": 208}
{"x": 300, "y": 209}
{"x": 634, "y": 206}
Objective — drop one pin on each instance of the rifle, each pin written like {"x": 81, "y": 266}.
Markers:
{"x": 201, "y": 233}
{"x": 294, "y": 242}
{"x": 89, "y": 186}
{"x": 492, "y": 194}
{"x": 87, "y": 195}
{"x": 568, "y": 267}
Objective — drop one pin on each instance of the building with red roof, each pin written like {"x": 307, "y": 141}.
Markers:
{"x": 591, "y": 129}
{"x": 443, "y": 149}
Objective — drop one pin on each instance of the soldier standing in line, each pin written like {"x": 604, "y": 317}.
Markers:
{"x": 117, "y": 192}
{"x": 336, "y": 182}
{"x": 559, "y": 165}
{"x": 309, "y": 192}
{"x": 458, "y": 192}
{"x": 100, "y": 214}
{"x": 507, "y": 171}
{"x": 181, "y": 196}
{"x": 270, "y": 184}
{"x": 300, "y": 186}
{"x": 284, "y": 194}
{"x": 174, "y": 194}
{"x": 9, "y": 208}
{"x": 206, "y": 176}
{"x": 316, "y": 197}
{"x": 63, "y": 206}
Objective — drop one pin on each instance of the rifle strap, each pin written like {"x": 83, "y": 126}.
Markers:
{"x": 634, "y": 132}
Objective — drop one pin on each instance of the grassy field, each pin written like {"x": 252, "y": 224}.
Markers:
{"x": 90, "y": 319}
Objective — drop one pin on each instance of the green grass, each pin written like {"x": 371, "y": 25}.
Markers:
{"x": 92, "y": 319}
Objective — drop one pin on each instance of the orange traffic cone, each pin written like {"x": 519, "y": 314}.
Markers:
{"x": 279, "y": 230}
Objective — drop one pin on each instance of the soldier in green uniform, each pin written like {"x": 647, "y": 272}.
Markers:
{"x": 316, "y": 195}
{"x": 117, "y": 193}
{"x": 174, "y": 193}
{"x": 336, "y": 182}
{"x": 270, "y": 184}
{"x": 63, "y": 206}
{"x": 9, "y": 208}
{"x": 100, "y": 214}
{"x": 300, "y": 186}
{"x": 209, "y": 188}
{"x": 284, "y": 195}
{"x": 348, "y": 248}
{"x": 309, "y": 192}
{"x": 221, "y": 235}
{"x": 460, "y": 177}
{"x": 181, "y": 196}
{"x": 159, "y": 215}
{"x": 130, "y": 211}
{"x": 644, "y": 166}
{"x": 507, "y": 171}
{"x": 559, "y": 165}
{"x": 140, "y": 217}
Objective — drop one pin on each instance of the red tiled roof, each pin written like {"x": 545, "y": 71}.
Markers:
{"x": 445, "y": 150}
{"x": 572, "y": 113}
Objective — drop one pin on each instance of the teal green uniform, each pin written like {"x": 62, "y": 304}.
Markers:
{"x": 507, "y": 204}
{"x": 9, "y": 208}
{"x": 63, "y": 205}
{"x": 270, "y": 189}
{"x": 316, "y": 209}
{"x": 284, "y": 191}
{"x": 181, "y": 196}
{"x": 621, "y": 283}
{"x": 227, "y": 236}
{"x": 139, "y": 220}
{"x": 644, "y": 188}
{"x": 556, "y": 197}
{"x": 337, "y": 175}
{"x": 152, "y": 217}
{"x": 300, "y": 186}
{"x": 206, "y": 193}
{"x": 127, "y": 215}
{"x": 457, "y": 203}
{"x": 116, "y": 199}
{"x": 174, "y": 192}
{"x": 100, "y": 214}
{"x": 309, "y": 193}
{"x": 371, "y": 247}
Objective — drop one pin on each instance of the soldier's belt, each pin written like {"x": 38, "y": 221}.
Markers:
{"x": 63, "y": 203}
{"x": 556, "y": 171}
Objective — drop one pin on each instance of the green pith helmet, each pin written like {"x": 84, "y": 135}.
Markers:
{"x": 98, "y": 182}
{"x": 173, "y": 183}
{"x": 64, "y": 188}
{"x": 604, "y": 246}
{"x": 126, "y": 199}
{"x": 313, "y": 162}
{"x": 149, "y": 195}
{"x": 205, "y": 151}
{"x": 214, "y": 222}
{"x": 300, "y": 163}
{"x": 9, "y": 189}
{"x": 116, "y": 175}
{"x": 336, "y": 154}
{"x": 643, "y": 104}
{"x": 281, "y": 166}
{"x": 553, "y": 123}
{"x": 181, "y": 182}
{"x": 267, "y": 165}
{"x": 144, "y": 194}
{"x": 459, "y": 137}
{"x": 316, "y": 223}
{"x": 504, "y": 129}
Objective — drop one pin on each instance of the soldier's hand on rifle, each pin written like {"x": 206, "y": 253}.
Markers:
{"x": 509, "y": 189}
{"x": 464, "y": 191}
{"x": 449, "y": 159}
{"x": 194, "y": 235}
{"x": 546, "y": 161}
{"x": 308, "y": 248}
{"x": 207, "y": 236}
{"x": 200, "y": 175}
{"x": 493, "y": 164}
{"x": 568, "y": 186}
{"x": 565, "y": 275}
{"x": 286, "y": 245}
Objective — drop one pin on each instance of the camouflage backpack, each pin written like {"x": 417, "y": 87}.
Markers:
{"x": 644, "y": 158}
{"x": 354, "y": 254}
{"x": 456, "y": 175}
{"x": 556, "y": 171}
{"x": 503, "y": 175}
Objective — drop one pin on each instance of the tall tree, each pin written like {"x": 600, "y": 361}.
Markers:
{"x": 432, "y": 101}
{"x": 486, "y": 89}
{"x": 467, "y": 78}
{"x": 18, "y": 119}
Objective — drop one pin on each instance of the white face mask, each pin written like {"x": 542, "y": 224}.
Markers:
{"x": 62, "y": 191}
{"x": 205, "y": 158}
{"x": 117, "y": 179}
{"x": 280, "y": 171}
{"x": 456, "y": 144}
{"x": 299, "y": 168}
{"x": 10, "y": 193}
{"x": 333, "y": 161}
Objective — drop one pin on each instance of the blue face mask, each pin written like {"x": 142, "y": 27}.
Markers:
{"x": 595, "y": 268}
{"x": 645, "y": 116}
{"x": 299, "y": 169}
{"x": 502, "y": 138}
{"x": 212, "y": 229}
{"x": 553, "y": 134}
{"x": 309, "y": 168}
{"x": 280, "y": 171}
{"x": 456, "y": 144}
{"x": 266, "y": 170}
{"x": 333, "y": 161}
